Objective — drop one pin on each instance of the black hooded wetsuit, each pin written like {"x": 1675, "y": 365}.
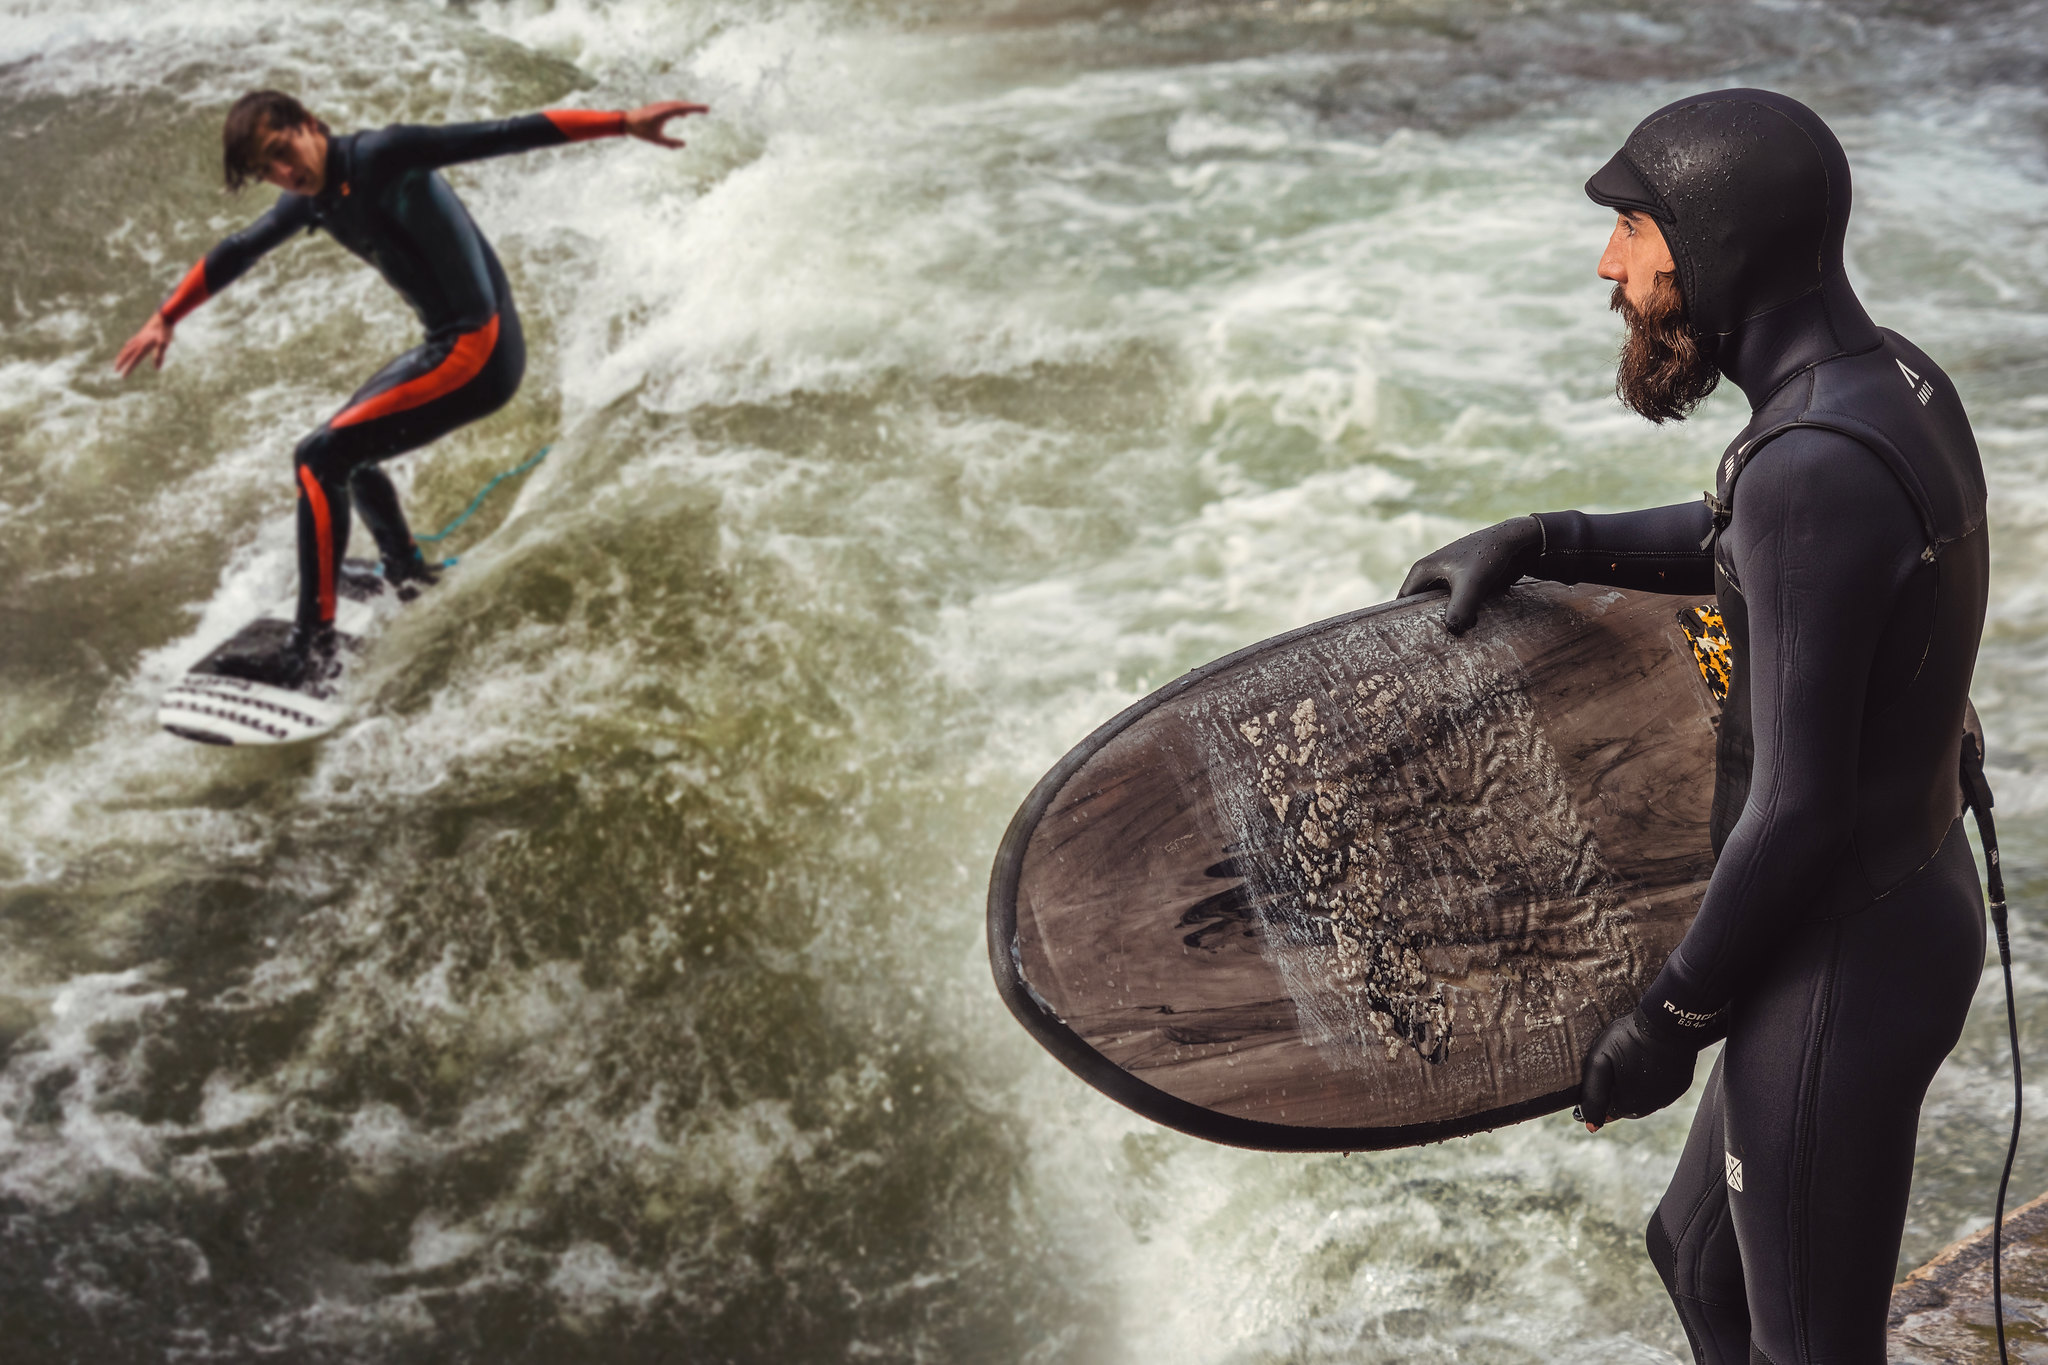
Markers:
{"x": 384, "y": 200}
{"x": 1842, "y": 935}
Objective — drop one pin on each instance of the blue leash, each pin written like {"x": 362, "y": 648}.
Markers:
{"x": 478, "y": 501}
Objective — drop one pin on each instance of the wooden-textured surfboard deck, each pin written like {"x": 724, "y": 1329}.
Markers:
{"x": 1366, "y": 885}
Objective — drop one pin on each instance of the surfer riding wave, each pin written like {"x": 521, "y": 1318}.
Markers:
{"x": 1841, "y": 937}
{"x": 381, "y": 195}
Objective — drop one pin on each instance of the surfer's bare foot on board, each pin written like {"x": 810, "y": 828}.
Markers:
{"x": 309, "y": 656}
{"x": 304, "y": 658}
{"x": 409, "y": 575}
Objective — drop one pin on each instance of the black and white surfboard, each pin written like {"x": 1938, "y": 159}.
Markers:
{"x": 223, "y": 699}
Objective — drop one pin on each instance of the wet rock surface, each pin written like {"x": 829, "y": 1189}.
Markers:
{"x": 1942, "y": 1313}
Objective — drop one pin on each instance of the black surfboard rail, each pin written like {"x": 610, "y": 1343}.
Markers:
{"x": 1182, "y": 762}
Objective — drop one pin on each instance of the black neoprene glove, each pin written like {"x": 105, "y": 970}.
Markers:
{"x": 1632, "y": 1071}
{"x": 1476, "y": 567}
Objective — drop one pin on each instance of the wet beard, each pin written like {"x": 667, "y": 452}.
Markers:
{"x": 1664, "y": 372}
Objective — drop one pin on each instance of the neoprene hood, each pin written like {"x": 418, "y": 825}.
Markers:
{"x": 1751, "y": 189}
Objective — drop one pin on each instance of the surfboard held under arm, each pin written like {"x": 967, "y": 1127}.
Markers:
{"x": 230, "y": 696}
{"x": 1365, "y": 884}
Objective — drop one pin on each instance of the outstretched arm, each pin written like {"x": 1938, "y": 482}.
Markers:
{"x": 1659, "y": 549}
{"x": 430, "y": 147}
{"x": 220, "y": 267}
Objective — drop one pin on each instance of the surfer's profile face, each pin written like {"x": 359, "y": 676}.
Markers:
{"x": 1664, "y": 372}
{"x": 1664, "y": 369}
{"x": 293, "y": 159}
{"x": 1636, "y": 255}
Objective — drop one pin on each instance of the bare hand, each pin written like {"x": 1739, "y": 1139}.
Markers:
{"x": 647, "y": 121}
{"x": 153, "y": 339}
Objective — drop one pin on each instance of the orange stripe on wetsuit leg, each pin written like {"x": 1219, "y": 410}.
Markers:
{"x": 190, "y": 293}
{"x": 581, "y": 125}
{"x": 466, "y": 360}
{"x": 323, "y": 533}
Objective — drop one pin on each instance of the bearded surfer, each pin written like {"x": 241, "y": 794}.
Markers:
{"x": 1841, "y": 937}
{"x": 381, "y": 195}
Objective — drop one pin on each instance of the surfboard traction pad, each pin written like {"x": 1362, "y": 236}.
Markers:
{"x": 1365, "y": 885}
{"x": 213, "y": 704}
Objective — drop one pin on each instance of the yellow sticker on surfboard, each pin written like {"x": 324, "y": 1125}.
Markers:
{"x": 1707, "y": 633}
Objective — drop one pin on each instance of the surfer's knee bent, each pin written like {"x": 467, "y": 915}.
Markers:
{"x": 500, "y": 387}
{"x": 507, "y": 368}
{"x": 316, "y": 453}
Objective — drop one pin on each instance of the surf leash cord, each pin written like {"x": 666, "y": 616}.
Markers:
{"x": 1977, "y": 791}
{"x": 478, "y": 500}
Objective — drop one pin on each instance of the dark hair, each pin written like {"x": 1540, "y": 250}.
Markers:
{"x": 241, "y": 137}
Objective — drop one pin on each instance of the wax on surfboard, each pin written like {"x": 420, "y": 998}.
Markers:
{"x": 1366, "y": 884}
{"x": 211, "y": 704}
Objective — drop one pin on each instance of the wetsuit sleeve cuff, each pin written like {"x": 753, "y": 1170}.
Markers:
{"x": 190, "y": 293}
{"x": 1667, "y": 1020}
{"x": 581, "y": 125}
{"x": 1553, "y": 560}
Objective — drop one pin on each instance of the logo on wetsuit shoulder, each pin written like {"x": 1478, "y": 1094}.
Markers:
{"x": 1923, "y": 389}
{"x": 1734, "y": 1173}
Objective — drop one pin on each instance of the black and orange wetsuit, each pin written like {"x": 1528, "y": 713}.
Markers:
{"x": 384, "y": 200}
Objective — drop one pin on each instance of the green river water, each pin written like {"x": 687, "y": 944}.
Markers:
{"x": 614, "y": 988}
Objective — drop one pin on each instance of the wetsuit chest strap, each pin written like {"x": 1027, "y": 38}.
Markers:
{"x": 1723, "y": 507}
